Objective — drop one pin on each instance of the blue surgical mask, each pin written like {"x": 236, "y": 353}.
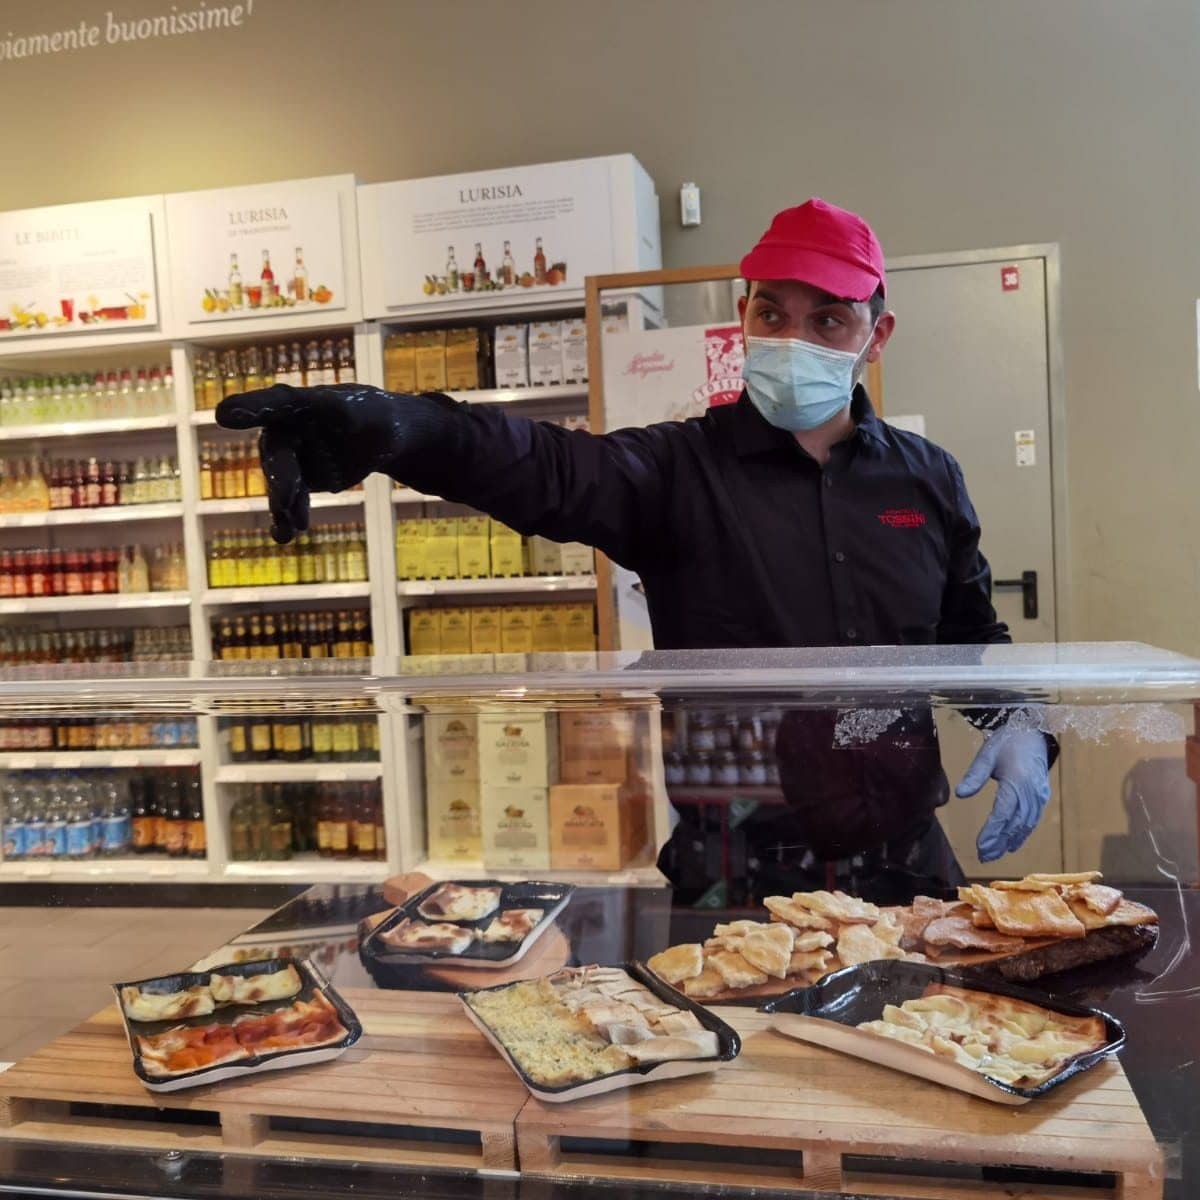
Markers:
{"x": 797, "y": 385}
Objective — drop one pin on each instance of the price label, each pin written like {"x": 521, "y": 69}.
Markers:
{"x": 332, "y": 776}
{"x": 17, "y": 761}
{"x": 418, "y": 588}
{"x": 124, "y": 758}
{"x": 68, "y": 762}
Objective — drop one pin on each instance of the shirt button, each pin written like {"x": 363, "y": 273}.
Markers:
{"x": 839, "y": 557}
{"x": 852, "y": 634}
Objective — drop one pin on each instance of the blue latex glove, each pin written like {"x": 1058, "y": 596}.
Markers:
{"x": 1017, "y": 760}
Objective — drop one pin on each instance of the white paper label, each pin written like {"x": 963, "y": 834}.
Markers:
{"x": 1026, "y": 448}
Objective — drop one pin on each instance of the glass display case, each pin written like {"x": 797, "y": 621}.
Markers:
{"x": 691, "y": 921}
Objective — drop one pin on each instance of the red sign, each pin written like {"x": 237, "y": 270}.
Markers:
{"x": 724, "y": 353}
{"x": 1010, "y": 278}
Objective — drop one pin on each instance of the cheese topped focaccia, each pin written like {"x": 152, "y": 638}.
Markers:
{"x": 255, "y": 989}
{"x": 512, "y": 925}
{"x": 1007, "y": 1039}
{"x": 416, "y": 935}
{"x": 456, "y": 902}
{"x": 166, "y": 1006}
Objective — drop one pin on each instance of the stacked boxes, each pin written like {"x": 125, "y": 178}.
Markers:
{"x": 452, "y": 787}
{"x": 503, "y": 629}
{"x": 518, "y": 762}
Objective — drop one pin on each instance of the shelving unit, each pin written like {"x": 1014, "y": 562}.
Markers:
{"x": 78, "y": 429}
{"x": 258, "y": 504}
{"x": 108, "y": 870}
{"x": 117, "y": 514}
{"x": 301, "y": 772}
{"x": 519, "y": 586}
{"x": 87, "y": 760}
{"x": 216, "y": 597}
{"x": 308, "y": 869}
{"x": 104, "y": 602}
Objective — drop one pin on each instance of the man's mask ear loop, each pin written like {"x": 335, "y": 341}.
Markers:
{"x": 861, "y": 365}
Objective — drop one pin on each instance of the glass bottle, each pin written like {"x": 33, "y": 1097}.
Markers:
{"x": 237, "y": 298}
{"x": 206, "y": 472}
{"x": 300, "y": 278}
{"x": 267, "y": 277}
{"x": 539, "y": 263}
{"x": 508, "y": 268}
{"x": 451, "y": 270}
{"x": 480, "y": 267}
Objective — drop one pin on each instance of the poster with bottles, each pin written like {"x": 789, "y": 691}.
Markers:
{"x": 520, "y": 235}
{"x": 269, "y": 250}
{"x": 77, "y": 268}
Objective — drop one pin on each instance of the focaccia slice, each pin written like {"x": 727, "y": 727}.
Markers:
{"x": 1096, "y": 896}
{"x": 255, "y": 989}
{"x": 677, "y": 963}
{"x": 456, "y": 902}
{"x": 189, "y": 1048}
{"x": 961, "y": 933}
{"x": 166, "y": 1006}
{"x": 417, "y": 936}
{"x": 710, "y": 982}
{"x": 1127, "y": 912}
{"x": 513, "y": 925}
{"x": 1030, "y": 914}
{"x": 838, "y": 906}
{"x": 770, "y": 949}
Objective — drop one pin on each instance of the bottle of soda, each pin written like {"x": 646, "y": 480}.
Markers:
{"x": 56, "y": 822}
{"x": 144, "y": 818}
{"x": 79, "y": 823}
{"x": 14, "y": 823}
{"x": 197, "y": 840}
{"x": 115, "y": 822}
{"x": 175, "y": 821}
{"x": 35, "y": 821}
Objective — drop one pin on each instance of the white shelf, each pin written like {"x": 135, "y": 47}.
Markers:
{"x": 561, "y": 391}
{"x": 108, "y": 602}
{"x": 535, "y": 584}
{"x": 215, "y": 597}
{"x": 301, "y": 772}
{"x": 646, "y": 875}
{"x": 209, "y": 508}
{"x": 409, "y": 496}
{"x": 67, "y": 760}
{"x": 25, "y": 433}
{"x": 92, "y": 516}
{"x": 207, "y": 417}
{"x": 308, "y": 870}
{"x": 151, "y": 869}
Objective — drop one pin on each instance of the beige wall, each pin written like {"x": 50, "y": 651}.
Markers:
{"x": 952, "y": 124}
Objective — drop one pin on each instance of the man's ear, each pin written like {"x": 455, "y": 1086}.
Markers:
{"x": 884, "y": 328}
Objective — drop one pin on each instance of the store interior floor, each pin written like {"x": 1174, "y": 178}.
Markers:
{"x": 57, "y": 965}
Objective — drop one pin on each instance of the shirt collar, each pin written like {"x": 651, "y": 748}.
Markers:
{"x": 754, "y": 434}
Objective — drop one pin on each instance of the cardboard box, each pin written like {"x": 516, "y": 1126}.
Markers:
{"x": 441, "y": 549}
{"x": 510, "y": 664}
{"x": 424, "y": 631}
{"x": 575, "y": 350}
{"x": 452, "y": 820}
{"x": 463, "y": 360}
{"x": 511, "y": 356}
{"x": 548, "y": 631}
{"x": 516, "y": 629}
{"x": 412, "y": 549}
{"x": 451, "y": 747}
{"x": 594, "y": 745}
{"x": 508, "y": 552}
{"x": 518, "y": 748}
{"x": 580, "y": 626}
{"x": 400, "y": 362}
{"x": 515, "y": 823}
{"x": 595, "y": 826}
{"x": 545, "y": 556}
{"x": 431, "y": 360}
{"x": 474, "y": 548}
{"x": 455, "y": 631}
{"x": 614, "y": 317}
{"x": 545, "y": 354}
{"x": 577, "y": 559}
{"x": 485, "y": 630}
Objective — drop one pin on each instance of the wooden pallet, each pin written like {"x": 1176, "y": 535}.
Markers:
{"x": 432, "y": 1090}
{"x": 791, "y": 1116}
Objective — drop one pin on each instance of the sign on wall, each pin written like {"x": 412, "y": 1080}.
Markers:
{"x": 518, "y": 232}
{"x": 269, "y": 250}
{"x": 77, "y": 268}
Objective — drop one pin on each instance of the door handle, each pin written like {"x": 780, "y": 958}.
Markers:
{"x": 1029, "y": 592}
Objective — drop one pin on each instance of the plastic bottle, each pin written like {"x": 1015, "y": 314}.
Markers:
{"x": 116, "y": 822}
{"x": 13, "y": 823}
{"x": 79, "y": 823}
{"x": 35, "y": 821}
{"x": 55, "y": 841}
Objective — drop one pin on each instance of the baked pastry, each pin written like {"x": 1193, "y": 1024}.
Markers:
{"x": 417, "y": 936}
{"x": 254, "y": 989}
{"x": 166, "y": 1006}
{"x": 677, "y": 963}
{"x": 512, "y": 925}
{"x": 457, "y": 902}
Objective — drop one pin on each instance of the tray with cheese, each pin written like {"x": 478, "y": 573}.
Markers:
{"x": 198, "y": 1027}
{"x": 584, "y": 1031}
{"x": 999, "y": 1042}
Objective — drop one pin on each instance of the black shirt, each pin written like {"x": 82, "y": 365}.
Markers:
{"x": 739, "y": 536}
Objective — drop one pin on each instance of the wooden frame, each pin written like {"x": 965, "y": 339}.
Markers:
{"x": 632, "y": 281}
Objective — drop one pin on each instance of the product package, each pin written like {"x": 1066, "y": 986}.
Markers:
{"x": 412, "y": 546}
{"x": 574, "y": 351}
{"x": 518, "y": 748}
{"x": 441, "y": 551}
{"x": 576, "y": 559}
{"x": 507, "y": 551}
{"x": 545, "y": 556}
{"x": 595, "y": 744}
{"x": 511, "y": 356}
{"x": 485, "y": 630}
{"x": 516, "y": 629}
{"x": 424, "y": 631}
{"x": 463, "y": 360}
{"x": 581, "y": 626}
{"x": 452, "y": 820}
{"x": 455, "y": 631}
{"x": 595, "y": 826}
{"x": 516, "y": 828}
{"x": 400, "y": 362}
{"x": 474, "y": 548}
{"x": 431, "y": 360}
{"x": 549, "y": 632}
{"x": 451, "y": 746}
{"x": 545, "y": 353}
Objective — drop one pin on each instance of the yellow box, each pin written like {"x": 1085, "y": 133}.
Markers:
{"x": 455, "y": 631}
{"x": 516, "y": 629}
{"x": 485, "y": 630}
{"x": 577, "y": 559}
{"x": 474, "y": 548}
{"x": 580, "y": 626}
{"x": 518, "y": 748}
{"x": 507, "y": 551}
{"x": 594, "y": 745}
{"x": 451, "y": 747}
{"x": 424, "y": 631}
{"x": 412, "y": 549}
{"x": 462, "y": 360}
{"x": 545, "y": 556}
{"x": 515, "y": 823}
{"x": 431, "y": 360}
{"x": 452, "y": 820}
{"x": 595, "y": 826}
{"x": 548, "y": 632}
{"x": 441, "y": 550}
{"x": 400, "y": 362}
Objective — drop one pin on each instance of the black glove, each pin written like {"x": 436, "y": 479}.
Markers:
{"x": 327, "y": 439}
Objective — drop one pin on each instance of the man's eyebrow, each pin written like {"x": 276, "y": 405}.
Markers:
{"x": 824, "y": 299}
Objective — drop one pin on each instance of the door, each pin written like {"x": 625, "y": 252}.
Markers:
{"x": 969, "y": 356}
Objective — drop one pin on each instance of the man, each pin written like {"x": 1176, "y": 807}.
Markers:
{"x": 791, "y": 518}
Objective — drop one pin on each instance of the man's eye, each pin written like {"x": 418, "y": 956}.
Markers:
{"x": 825, "y": 321}
{"x": 768, "y": 315}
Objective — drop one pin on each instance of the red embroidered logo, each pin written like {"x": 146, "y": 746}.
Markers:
{"x": 902, "y": 518}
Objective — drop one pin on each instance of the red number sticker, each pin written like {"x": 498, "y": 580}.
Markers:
{"x": 1010, "y": 278}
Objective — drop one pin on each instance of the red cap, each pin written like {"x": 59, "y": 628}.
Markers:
{"x": 817, "y": 243}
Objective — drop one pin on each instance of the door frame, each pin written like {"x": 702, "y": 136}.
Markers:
{"x": 1050, "y": 255}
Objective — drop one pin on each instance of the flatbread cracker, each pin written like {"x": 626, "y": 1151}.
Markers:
{"x": 709, "y": 982}
{"x": 809, "y": 960}
{"x": 814, "y": 939}
{"x": 767, "y": 954}
{"x": 837, "y": 906}
{"x": 1028, "y": 884}
{"x": 981, "y": 920}
{"x": 888, "y": 930}
{"x": 1126, "y": 913}
{"x": 960, "y": 932}
{"x": 1030, "y": 914}
{"x": 677, "y": 963}
{"x": 783, "y": 908}
{"x": 1096, "y": 896}
{"x": 1073, "y": 877}
{"x": 735, "y": 970}
{"x": 858, "y": 944}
